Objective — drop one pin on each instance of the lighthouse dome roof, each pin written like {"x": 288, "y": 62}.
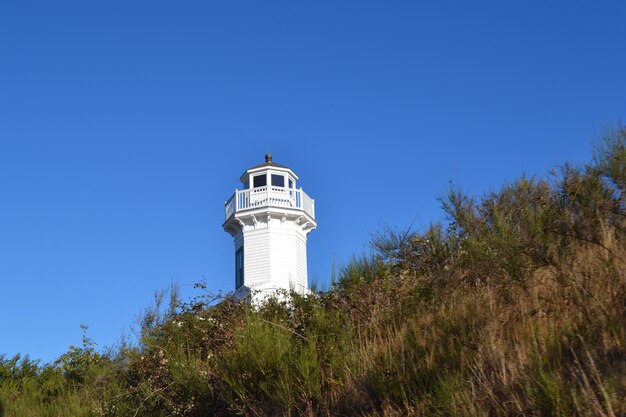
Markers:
{"x": 268, "y": 164}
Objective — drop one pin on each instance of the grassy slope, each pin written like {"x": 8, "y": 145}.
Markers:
{"x": 516, "y": 307}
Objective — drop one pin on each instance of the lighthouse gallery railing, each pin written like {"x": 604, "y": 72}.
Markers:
{"x": 270, "y": 197}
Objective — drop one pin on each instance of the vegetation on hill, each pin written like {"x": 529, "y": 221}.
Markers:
{"x": 516, "y": 306}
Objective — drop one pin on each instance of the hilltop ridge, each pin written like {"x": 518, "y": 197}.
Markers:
{"x": 514, "y": 306}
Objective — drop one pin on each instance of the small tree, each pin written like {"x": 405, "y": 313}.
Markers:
{"x": 78, "y": 361}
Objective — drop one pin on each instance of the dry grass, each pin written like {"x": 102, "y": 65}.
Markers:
{"x": 516, "y": 308}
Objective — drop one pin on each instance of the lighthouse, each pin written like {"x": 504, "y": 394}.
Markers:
{"x": 269, "y": 220}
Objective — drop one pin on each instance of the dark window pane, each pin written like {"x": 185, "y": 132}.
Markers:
{"x": 290, "y": 183}
{"x": 259, "y": 181}
{"x": 278, "y": 180}
{"x": 239, "y": 268}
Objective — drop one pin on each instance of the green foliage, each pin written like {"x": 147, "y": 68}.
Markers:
{"x": 515, "y": 307}
{"x": 79, "y": 361}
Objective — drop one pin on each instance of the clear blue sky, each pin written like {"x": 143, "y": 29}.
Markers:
{"x": 125, "y": 125}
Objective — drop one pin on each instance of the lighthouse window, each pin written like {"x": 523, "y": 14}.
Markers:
{"x": 239, "y": 267}
{"x": 278, "y": 180}
{"x": 290, "y": 183}
{"x": 259, "y": 181}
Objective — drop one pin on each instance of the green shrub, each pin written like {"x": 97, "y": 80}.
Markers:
{"x": 515, "y": 307}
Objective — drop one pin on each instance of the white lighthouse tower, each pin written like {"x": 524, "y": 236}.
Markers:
{"x": 269, "y": 220}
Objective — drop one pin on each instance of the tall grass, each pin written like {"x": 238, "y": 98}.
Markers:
{"x": 515, "y": 306}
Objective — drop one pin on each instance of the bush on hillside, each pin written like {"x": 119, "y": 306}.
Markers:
{"x": 514, "y": 307}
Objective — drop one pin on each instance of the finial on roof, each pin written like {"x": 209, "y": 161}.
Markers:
{"x": 268, "y": 157}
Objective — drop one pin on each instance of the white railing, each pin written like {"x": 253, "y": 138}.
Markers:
{"x": 230, "y": 206}
{"x": 270, "y": 197}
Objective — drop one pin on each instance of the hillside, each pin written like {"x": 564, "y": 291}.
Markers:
{"x": 515, "y": 306}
